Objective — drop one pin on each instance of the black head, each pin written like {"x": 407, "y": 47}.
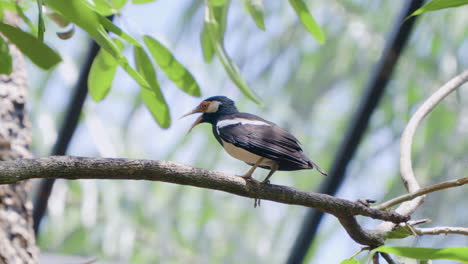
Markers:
{"x": 212, "y": 108}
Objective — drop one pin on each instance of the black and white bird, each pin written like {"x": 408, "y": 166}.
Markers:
{"x": 254, "y": 140}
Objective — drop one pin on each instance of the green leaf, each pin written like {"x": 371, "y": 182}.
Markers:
{"x": 103, "y": 7}
{"x": 142, "y": 1}
{"x": 255, "y": 9}
{"x": 220, "y": 20}
{"x": 107, "y": 24}
{"x": 307, "y": 20}
{"x": 102, "y": 73}
{"x": 231, "y": 68}
{"x": 452, "y": 253}
{"x": 207, "y": 44}
{"x": 218, "y": 2}
{"x": 81, "y": 13}
{"x": 153, "y": 98}
{"x": 19, "y": 11}
{"x": 171, "y": 67}
{"x": 40, "y": 23}
{"x": 399, "y": 233}
{"x": 108, "y": 7}
{"x": 349, "y": 261}
{"x": 38, "y": 52}
{"x": 5, "y": 58}
{"x": 437, "y": 5}
{"x": 7, "y": 5}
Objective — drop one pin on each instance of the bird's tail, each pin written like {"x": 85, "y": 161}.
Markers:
{"x": 313, "y": 165}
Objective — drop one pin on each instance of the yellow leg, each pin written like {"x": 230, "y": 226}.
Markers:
{"x": 274, "y": 168}
{"x": 248, "y": 175}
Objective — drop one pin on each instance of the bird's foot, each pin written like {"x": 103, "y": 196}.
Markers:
{"x": 249, "y": 178}
{"x": 366, "y": 202}
{"x": 266, "y": 182}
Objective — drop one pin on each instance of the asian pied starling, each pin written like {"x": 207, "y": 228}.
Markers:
{"x": 252, "y": 139}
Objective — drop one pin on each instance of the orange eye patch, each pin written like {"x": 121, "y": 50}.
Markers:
{"x": 204, "y": 105}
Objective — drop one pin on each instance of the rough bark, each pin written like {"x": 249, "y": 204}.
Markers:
{"x": 17, "y": 242}
{"x": 72, "y": 168}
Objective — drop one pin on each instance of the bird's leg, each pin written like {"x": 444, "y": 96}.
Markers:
{"x": 274, "y": 168}
{"x": 248, "y": 175}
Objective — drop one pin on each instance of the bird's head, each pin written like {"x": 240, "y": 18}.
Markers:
{"x": 212, "y": 108}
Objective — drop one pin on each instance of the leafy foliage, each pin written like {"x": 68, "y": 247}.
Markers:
{"x": 439, "y": 4}
{"x": 102, "y": 73}
{"x": 306, "y": 18}
{"x": 5, "y": 57}
{"x": 216, "y": 29}
{"x": 171, "y": 67}
{"x": 39, "y": 53}
{"x": 40, "y": 22}
{"x": 452, "y": 253}
{"x": 153, "y": 98}
{"x": 255, "y": 8}
{"x": 350, "y": 261}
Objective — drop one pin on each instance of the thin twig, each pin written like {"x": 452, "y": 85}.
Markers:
{"x": 406, "y": 166}
{"x": 442, "y": 230}
{"x": 422, "y": 191}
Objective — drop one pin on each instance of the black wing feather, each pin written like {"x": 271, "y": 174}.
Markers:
{"x": 270, "y": 142}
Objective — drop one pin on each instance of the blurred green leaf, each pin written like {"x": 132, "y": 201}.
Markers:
{"x": 142, "y": 1}
{"x": 207, "y": 45}
{"x": 19, "y": 10}
{"x": 307, "y": 20}
{"x": 171, "y": 67}
{"x": 38, "y": 52}
{"x": 220, "y": 16}
{"x": 102, "y": 73}
{"x": 7, "y": 5}
{"x": 229, "y": 66}
{"x": 452, "y": 253}
{"x": 40, "y": 23}
{"x": 107, "y": 24}
{"x": 437, "y": 5}
{"x": 153, "y": 97}
{"x": 108, "y": 7}
{"x": 5, "y": 57}
{"x": 82, "y": 14}
{"x": 349, "y": 261}
{"x": 255, "y": 9}
{"x": 218, "y": 2}
{"x": 399, "y": 233}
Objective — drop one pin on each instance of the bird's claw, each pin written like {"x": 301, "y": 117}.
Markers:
{"x": 250, "y": 179}
{"x": 266, "y": 182}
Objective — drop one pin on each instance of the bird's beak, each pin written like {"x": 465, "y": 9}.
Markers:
{"x": 199, "y": 119}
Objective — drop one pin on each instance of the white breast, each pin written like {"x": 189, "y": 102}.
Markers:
{"x": 244, "y": 155}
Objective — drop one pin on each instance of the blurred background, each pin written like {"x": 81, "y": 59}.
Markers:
{"x": 307, "y": 88}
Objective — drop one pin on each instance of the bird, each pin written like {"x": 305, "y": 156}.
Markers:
{"x": 252, "y": 139}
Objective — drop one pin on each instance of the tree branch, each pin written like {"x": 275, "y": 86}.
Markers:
{"x": 72, "y": 168}
{"x": 442, "y": 230}
{"x": 406, "y": 166}
{"x": 422, "y": 191}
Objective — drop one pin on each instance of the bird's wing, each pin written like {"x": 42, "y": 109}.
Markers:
{"x": 265, "y": 139}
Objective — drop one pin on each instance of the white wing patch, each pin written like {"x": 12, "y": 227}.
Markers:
{"x": 242, "y": 121}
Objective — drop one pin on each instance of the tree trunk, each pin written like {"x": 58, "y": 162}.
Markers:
{"x": 17, "y": 241}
